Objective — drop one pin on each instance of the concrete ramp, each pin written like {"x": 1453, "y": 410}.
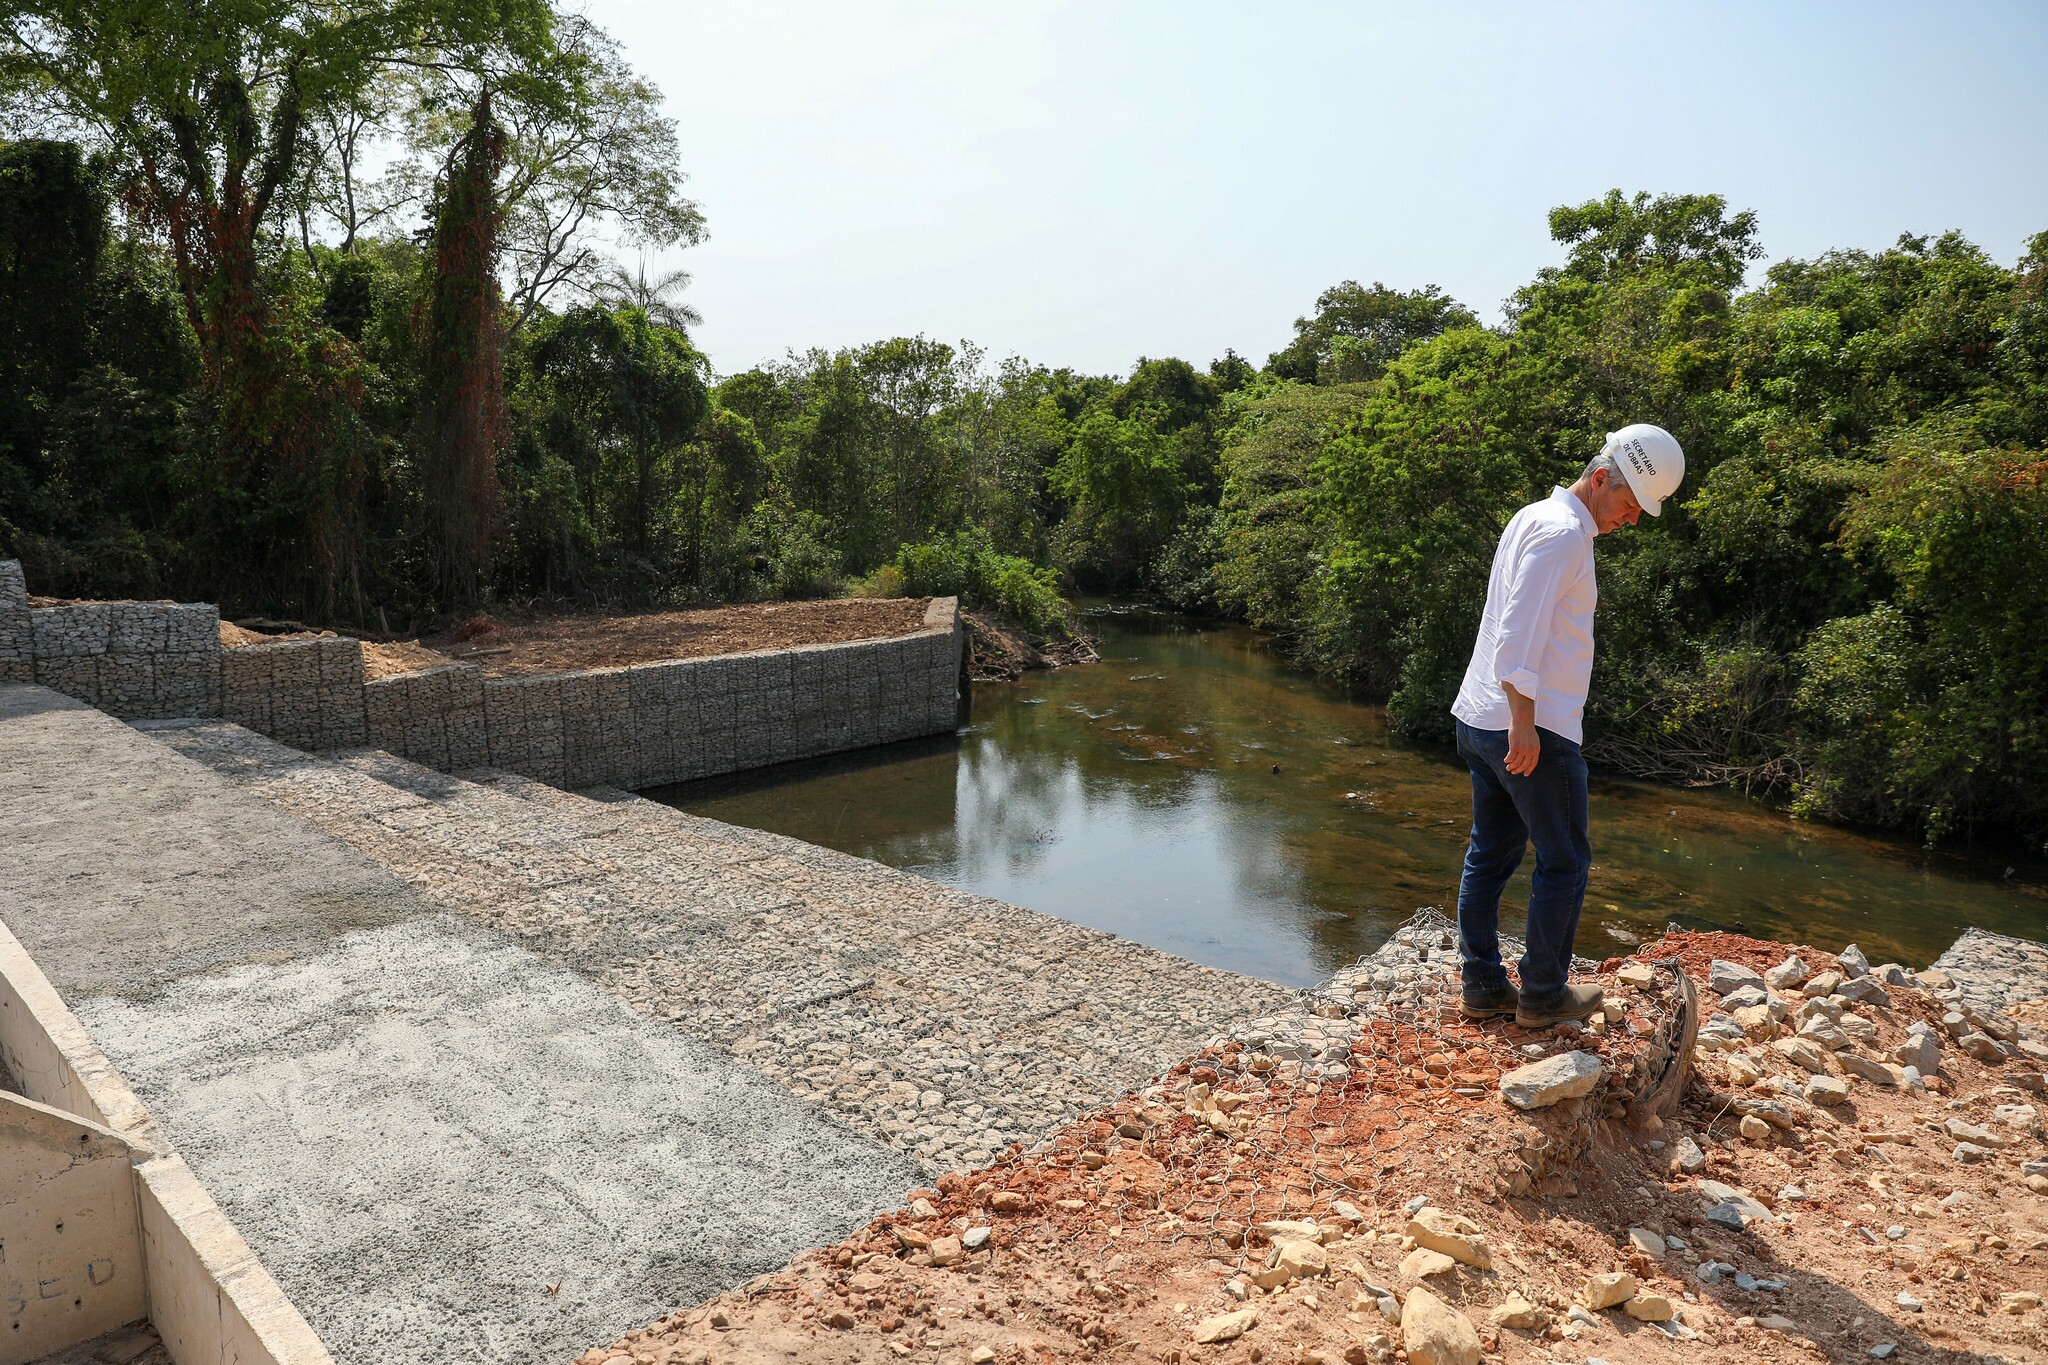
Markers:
{"x": 443, "y": 1146}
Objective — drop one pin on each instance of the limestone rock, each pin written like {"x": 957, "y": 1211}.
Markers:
{"x": 1518, "y": 1313}
{"x": 974, "y": 1239}
{"x": 1877, "y": 1073}
{"x": 1726, "y": 1200}
{"x": 1742, "y": 997}
{"x": 1818, "y": 1007}
{"x": 1827, "y": 1033}
{"x": 1854, "y": 963}
{"x": 1981, "y": 1046}
{"x": 1756, "y": 1020}
{"x": 1638, "y": 974}
{"x": 1802, "y": 1052}
{"x": 946, "y": 1251}
{"x": 1689, "y": 1158}
{"x": 1608, "y": 1289}
{"x": 1455, "y": 1235}
{"x": 2022, "y": 1301}
{"x": 1296, "y": 1229}
{"x": 1646, "y": 1241}
{"x": 1299, "y": 1257}
{"x": 1227, "y": 1327}
{"x": 1969, "y": 1132}
{"x": 1436, "y": 1333}
{"x": 1969, "y": 1153}
{"x": 1566, "y": 1076}
{"x": 1724, "y": 977}
{"x": 1864, "y": 988}
{"x": 1993, "y": 1023}
{"x": 1649, "y": 1308}
{"x": 1827, "y": 1090}
{"x": 1754, "y": 1128}
{"x": 1786, "y": 974}
{"x": 1422, "y": 1263}
{"x": 1822, "y": 985}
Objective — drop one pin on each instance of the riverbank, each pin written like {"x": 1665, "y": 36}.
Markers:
{"x": 1803, "y": 1199}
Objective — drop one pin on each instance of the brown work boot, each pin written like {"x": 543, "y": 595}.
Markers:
{"x": 1487, "y": 1004}
{"x": 1577, "y": 1002}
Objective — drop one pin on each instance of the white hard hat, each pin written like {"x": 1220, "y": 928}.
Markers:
{"x": 1650, "y": 460}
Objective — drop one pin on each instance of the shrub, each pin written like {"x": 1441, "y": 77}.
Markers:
{"x": 967, "y": 565}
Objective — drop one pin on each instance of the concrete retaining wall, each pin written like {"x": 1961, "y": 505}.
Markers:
{"x": 70, "y": 1249}
{"x": 639, "y": 726}
{"x": 113, "y": 1226}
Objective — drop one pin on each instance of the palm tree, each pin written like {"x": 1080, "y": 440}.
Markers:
{"x": 655, "y": 297}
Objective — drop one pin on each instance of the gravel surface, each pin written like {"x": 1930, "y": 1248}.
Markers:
{"x": 442, "y": 1145}
{"x": 943, "y": 1024}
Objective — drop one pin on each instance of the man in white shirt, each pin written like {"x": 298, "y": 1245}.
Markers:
{"x": 1519, "y": 715}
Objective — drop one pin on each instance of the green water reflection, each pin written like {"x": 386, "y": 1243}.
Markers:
{"x": 1194, "y": 793}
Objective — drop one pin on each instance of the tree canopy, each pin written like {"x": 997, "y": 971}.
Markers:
{"x": 319, "y": 310}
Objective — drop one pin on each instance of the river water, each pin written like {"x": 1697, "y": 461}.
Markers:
{"x": 1196, "y": 793}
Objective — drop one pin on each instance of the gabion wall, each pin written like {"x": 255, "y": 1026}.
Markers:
{"x": 638, "y": 726}
{"x": 136, "y": 660}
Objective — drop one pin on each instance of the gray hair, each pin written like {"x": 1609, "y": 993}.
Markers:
{"x": 1604, "y": 460}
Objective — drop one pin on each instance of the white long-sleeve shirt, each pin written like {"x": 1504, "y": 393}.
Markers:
{"x": 1537, "y": 633}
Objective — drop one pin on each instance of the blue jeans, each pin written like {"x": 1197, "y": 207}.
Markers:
{"x": 1548, "y": 809}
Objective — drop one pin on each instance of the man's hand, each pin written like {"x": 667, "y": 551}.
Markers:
{"x": 1523, "y": 747}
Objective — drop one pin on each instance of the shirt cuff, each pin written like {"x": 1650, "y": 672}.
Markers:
{"x": 1524, "y": 682}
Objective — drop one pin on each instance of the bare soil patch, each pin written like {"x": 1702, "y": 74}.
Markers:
{"x": 381, "y": 658}
{"x": 1182, "y": 1212}
{"x": 514, "y": 646}
{"x": 1000, "y": 653}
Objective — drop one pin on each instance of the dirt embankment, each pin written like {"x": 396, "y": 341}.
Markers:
{"x": 1001, "y": 653}
{"x": 1807, "y": 1198}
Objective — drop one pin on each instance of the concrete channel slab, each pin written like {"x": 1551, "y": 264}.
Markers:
{"x": 444, "y": 1146}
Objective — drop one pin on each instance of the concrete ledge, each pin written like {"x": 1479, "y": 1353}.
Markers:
{"x": 70, "y": 1257}
{"x": 209, "y": 1298}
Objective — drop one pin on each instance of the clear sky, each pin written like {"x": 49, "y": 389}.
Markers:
{"x": 1086, "y": 183}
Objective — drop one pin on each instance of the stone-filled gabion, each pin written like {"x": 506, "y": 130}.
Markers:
{"x": 17, "y": 637}
{"x": 306, "y": 693}
{"x": 651, "y": 724}
{"x": 640, "y": 726}
{"x": 135, "y": 660}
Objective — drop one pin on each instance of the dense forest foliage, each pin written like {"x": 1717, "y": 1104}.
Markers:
{"x": 332, "y": 315}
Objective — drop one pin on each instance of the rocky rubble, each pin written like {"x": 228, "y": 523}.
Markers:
{"x": 1783, "y": 1210}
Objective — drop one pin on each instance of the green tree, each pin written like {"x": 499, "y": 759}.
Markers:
{"x": 623, "y": 400}
{"x": 461, "y": 324}
{"x": 1356, "y": 331}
